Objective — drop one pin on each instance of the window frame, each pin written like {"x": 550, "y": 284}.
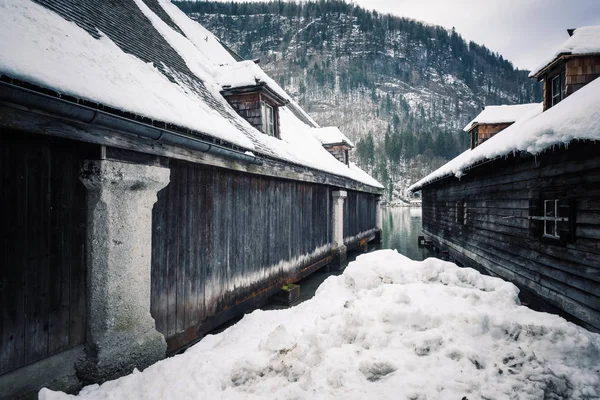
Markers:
{"x": 558, "y": 88}
{"x": 552, "y": 218}
{"x": 461, "y": 212}
{"x": 268, "y": 116}
{"x": 475, "y": 137}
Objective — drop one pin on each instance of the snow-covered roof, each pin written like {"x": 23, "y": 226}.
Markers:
{"x": 331, "y": 135}
{"x": 575, "y": 118}
{"x": 505, "y": 114}
{"x": 247, "y": 73}
{"x": 148, "y": 58}
{"x": 585, "y": 40}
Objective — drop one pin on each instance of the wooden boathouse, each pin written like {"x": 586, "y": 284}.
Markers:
{"x": 142, "y": 204}
{"x": 525, "y": 205}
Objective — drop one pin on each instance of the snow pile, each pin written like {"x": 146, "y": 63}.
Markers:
{"x": 41, "y": 48}
{"x": 505, "y": 114}
{"x": 585, "y": 40}
{"x": 575, "y": 118}
{"x": 331, "y": 135}
{"x": 247, "y": 73}
{"x": 388, "y": 328}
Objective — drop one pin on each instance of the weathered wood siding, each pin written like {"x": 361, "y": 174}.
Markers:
{"x": 42, "y": 273}
{"x": 486, "y": 131}
{"x": 360, "y": 216}
{"x": 220, "y": 238}
{"x": 339, "y": 152}
{"x": 498, "y": 235}
{"x": 580, "y": 71}
{"x": 249, "y": 108}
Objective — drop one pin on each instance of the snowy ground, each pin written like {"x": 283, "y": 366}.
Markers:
{"x": 388, "y": 328}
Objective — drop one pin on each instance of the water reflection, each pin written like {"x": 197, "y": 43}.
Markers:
{"x": 401, "y": 226}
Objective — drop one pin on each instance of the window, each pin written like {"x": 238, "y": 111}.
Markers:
{"x": 558, "y": 88}
{"x": 553, "y": 219}
{"x": 461, "y": 212}
{"x": 474, "y": 138}
{"x": 268, "y": 119}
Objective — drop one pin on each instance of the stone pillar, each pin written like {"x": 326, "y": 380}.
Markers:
{"x": 379, "y": 221}
{"x": 121, "y": 333}
{"x": 341, "y": 258}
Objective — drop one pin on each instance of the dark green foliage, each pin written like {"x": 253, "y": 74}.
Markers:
{"x": 332, "y": 55}
{"x": 365, "y": 151}
{"x": 276, "y": 25}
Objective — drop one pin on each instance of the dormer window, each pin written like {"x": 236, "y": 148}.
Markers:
{"x": 253, "y": 95}
{"x": 258, "y": 105}
{"x": 576, "y": 63}
{"x": 494, "y": 119}
{"x": 335, "y": 142}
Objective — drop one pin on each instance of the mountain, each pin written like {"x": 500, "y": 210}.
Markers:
{"x": 401, "y": 89}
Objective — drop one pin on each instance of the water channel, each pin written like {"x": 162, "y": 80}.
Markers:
{"x": 400, "y": 225}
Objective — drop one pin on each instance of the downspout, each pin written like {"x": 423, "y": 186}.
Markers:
{"x": 19, "y": 97}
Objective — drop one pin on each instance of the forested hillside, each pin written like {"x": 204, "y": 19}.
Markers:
{"x": 401, "y": 89}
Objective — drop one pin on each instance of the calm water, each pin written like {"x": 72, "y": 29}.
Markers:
{"x": 401, "y": 226}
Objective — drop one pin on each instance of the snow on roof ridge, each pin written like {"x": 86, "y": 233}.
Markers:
{"x": 331, "y": 135}
{"x": 67, "y": 59}
{"x": 505, "y": 114}
{"x": 574, "y": 118}
{"x": 585, "y": 40}
{"x": 247, "y": 73}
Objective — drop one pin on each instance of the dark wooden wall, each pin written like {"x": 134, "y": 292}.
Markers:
{"x": 360, "y": 214}
{"x": 498, "y": 235}
{"x": 220, "y": 237}
{"x": 42, "y": 273}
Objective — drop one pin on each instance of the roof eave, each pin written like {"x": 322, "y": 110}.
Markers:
{"x": 562, "y": 56}
{"x": 262, "y": 87}
{"x": 342, "y": 143}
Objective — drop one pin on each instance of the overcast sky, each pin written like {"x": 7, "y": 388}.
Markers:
{"x": 523, "y": 31}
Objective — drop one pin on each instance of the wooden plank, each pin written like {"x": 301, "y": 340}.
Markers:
{"x": 181, "y": 266}
{"x": 60, "y": 261}
{"x": 574, "y": 308}
{"x": 12, "y": 348}
{"x": 36, "y": 339}
{"x": 158, "y": 299}
{"x": 560, "y": 281}
{"x": 77, "y": 254}
{"x": 172, "y": 248}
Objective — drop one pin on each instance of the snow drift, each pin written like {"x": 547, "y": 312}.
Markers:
{"x": 388, "y": 327}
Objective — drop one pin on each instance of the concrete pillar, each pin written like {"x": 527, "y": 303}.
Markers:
{"x": 341, "y": 258}
{"x": 379, "y": 220}
{"x": 121, "y": 333}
